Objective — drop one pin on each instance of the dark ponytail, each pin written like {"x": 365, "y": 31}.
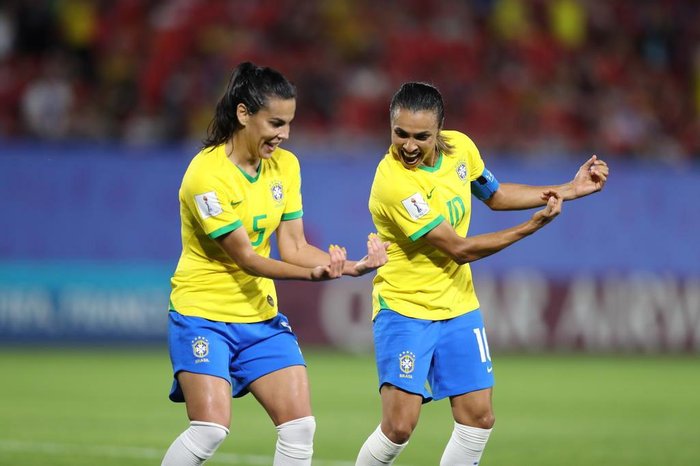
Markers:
{"x": 417, "y": 96}
{"x": 252, "y": 86}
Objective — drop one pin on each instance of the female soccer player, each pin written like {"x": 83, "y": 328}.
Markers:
{"x": 427, "y": 324}
{"x": 226, "y": 335}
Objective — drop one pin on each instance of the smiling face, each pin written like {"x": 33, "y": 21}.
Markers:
{"x": 414, "y": 136}
{"x": 263, "y": 131}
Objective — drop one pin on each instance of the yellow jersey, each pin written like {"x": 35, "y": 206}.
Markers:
{"x": 419, "y": 281}
{"x": 217, "y": 197}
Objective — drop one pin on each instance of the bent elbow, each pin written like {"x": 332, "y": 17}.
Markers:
{"x": 466, "y": 260}
{"x": 250, "y": 268}
{"x": 462, "y": 258}
{"x": 247, "y": 264}
{"x": 459, "y": 251}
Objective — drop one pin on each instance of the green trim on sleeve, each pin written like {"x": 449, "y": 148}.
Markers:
{"x": 227, "y": 229}
{"x": 292, "y": 215}
{"x": 171, "y": 306}
{"x": 439, "y": 219}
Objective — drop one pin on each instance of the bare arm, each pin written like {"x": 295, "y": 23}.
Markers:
{"x": 472, "y": 248}
{"x": 294, "y": 249}
{"x": 590, "y": 178}
{"x": 237, "y": 245}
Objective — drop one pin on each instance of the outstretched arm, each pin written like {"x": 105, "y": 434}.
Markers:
{"x": 472, "y": 248}
{"x": 237, "y": 245}
{"x": 590, "y": 178}
{"x": 296, "y": 250}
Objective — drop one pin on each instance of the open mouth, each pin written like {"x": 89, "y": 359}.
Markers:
{"x": 411, "y": 159}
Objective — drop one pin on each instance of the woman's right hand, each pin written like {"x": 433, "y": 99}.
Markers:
{"x": 332, "y": 270}
{"x": 550, "y": 211}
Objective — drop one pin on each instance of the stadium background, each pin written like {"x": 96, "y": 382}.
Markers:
{"x": 102, "y": 105}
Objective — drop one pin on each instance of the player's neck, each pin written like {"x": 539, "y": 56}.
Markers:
{"x": 246, "y": 162}
{"x": 431, "y": 160}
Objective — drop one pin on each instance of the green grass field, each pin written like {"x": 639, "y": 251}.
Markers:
{"x": 109, "y": 407}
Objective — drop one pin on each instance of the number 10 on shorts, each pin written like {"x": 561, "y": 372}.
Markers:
{"x": 483, "y": 343}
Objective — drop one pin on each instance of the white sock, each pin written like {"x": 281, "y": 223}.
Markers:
{"x": 378, "y": 450}
{"x": 466, "y": 446}
{"x": 195, "y": 445}
{"x": 295, "y": 442}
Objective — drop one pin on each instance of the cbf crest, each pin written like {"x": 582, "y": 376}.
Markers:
{"x": 277, "y": 191}
{"x": 461, "y": 170}
{"x": 407, "y": 362}
{"x": 200, "y": 349}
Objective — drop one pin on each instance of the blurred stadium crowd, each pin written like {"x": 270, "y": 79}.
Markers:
{"x": 539, "y": 78}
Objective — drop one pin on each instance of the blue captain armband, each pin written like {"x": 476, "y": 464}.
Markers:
{"x": 485, "y": 186}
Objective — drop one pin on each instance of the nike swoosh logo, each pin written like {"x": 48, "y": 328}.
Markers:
{"x": 489, "y": 369}
{"x": 430, "y": 194}
{"x": 234, "y": 204}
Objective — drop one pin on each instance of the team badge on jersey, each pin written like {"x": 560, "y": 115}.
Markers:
{"x": 208, "y": 205}
{"x": 277, "y": 190}
{"x": 407, "y": 362}
{"x": 416, "y": 206}
{"x": 462, "y": 170}
{"x": 200, "y": 349}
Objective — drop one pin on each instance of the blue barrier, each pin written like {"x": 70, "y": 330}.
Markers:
{"x": 89, "y": 237}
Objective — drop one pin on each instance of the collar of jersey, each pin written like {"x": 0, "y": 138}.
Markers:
{"x": 435, "y": 168}
{"x": 252, "y": 179}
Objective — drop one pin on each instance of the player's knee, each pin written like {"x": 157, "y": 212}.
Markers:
{"x": 477, "y": 416}
{"x": 203, "y": 438}
{"x": 485, "y": 421}
{"x": 295, "y": 438}
{"x": 400, "y": 431}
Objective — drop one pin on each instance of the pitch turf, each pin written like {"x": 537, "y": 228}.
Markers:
{"x": 109, "y": 407}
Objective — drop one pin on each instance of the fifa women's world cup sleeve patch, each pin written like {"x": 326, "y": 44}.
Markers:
{"x": 485, "y": 185}
{"x": 208, "y": 205}
{"x": 416, "y": 206}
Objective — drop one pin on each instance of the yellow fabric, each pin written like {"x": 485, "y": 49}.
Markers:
{"x": 568, "y": 22}
{"x": 216, "y": 197}
{"x": 419, "y": 281}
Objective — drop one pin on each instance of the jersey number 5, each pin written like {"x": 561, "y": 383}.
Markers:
{"x": 258, "y": 229}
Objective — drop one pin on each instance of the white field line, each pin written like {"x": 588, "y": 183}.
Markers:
{"x": 113, "y": 451}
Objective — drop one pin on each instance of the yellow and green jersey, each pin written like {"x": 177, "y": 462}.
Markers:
{"x": 420, "y": 281}
{"x": 216, "y": 197}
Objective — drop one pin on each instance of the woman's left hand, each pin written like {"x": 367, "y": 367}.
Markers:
{"x": 375, "y": 258}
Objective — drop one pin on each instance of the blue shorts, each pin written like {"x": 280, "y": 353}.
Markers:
{"x": 432, "y": 358}
{"x": 238, "y": 353}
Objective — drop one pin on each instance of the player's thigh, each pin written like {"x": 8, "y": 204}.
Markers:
{"x": 400, "y": 409}
{"x": 200, "y": 351}
{"x": 284, "y": 394}
{"x": 474, "y": 408}
{"x": 266, "y": 347}
{"x": 272, "y": 367}
{"x": 208, "y": 398}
